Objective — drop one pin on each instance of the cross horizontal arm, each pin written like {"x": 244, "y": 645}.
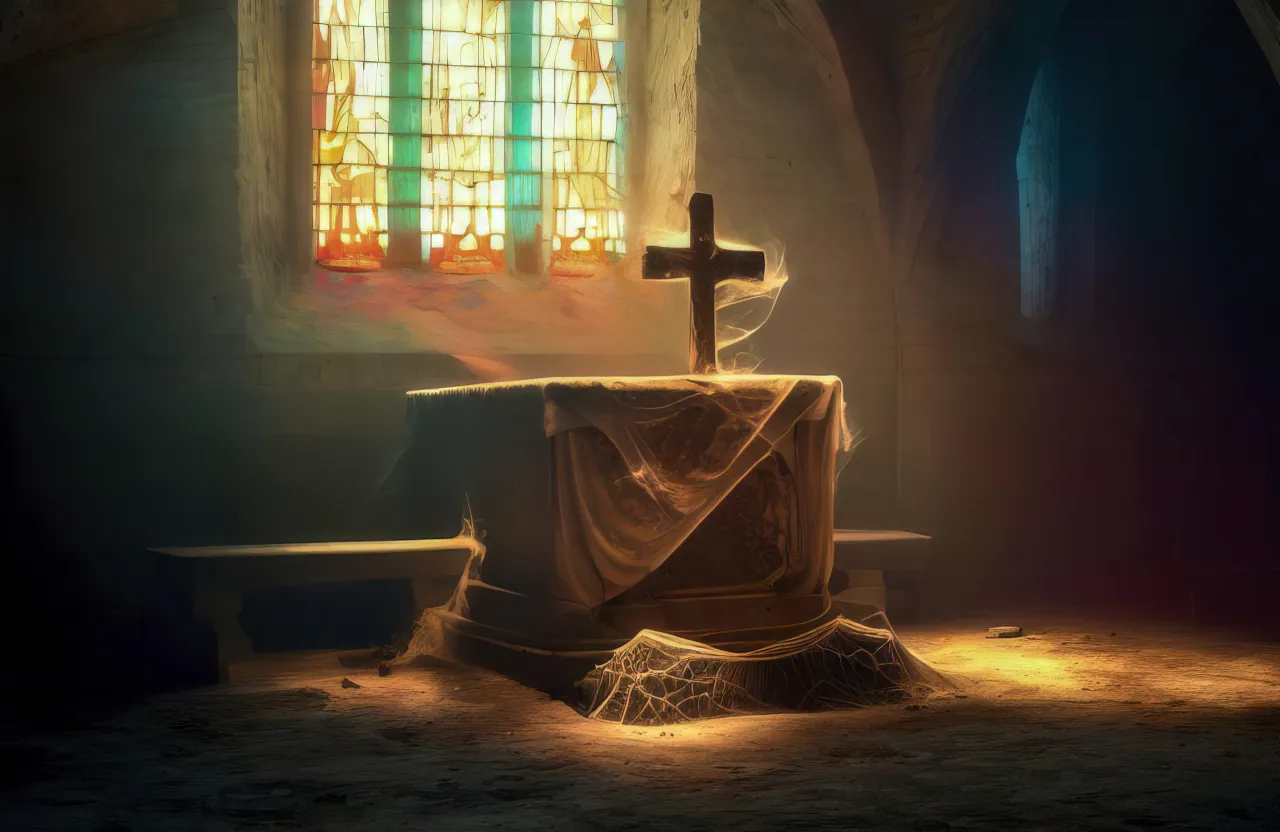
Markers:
{"x": 660, "y": 262}
{"x": 732, "y": 264}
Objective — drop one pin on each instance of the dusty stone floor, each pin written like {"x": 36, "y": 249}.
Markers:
{"x": 1078, "y": 726}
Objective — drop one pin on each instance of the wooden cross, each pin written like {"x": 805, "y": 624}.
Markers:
{"x": 706, "y": 265}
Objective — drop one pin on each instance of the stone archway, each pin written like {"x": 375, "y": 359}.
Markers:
{"x": 959, "y": 75}
{"x": 1119, "y": 425}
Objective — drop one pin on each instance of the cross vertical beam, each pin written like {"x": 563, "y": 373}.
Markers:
{"x": 706, "y": 265}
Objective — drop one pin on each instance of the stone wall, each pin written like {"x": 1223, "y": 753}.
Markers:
{"x": 959, "y": 74}
{"x": 667, "y": 121}
{"x": 141, "y": 414}
{"x": 30, "y": 27}
{"x": 264, "y": 167}
{"x": 781, "y": 149}
{"x": 124, "y": 316}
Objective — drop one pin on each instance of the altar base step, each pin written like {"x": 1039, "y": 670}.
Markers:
{"x": 555, "y": 666}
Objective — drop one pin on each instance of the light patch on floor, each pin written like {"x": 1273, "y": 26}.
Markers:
{"x": 1068, "y": 728}
{"x": 1060, "y": 661}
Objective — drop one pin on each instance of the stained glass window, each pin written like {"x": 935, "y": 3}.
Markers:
{"x": 469, "y": 135}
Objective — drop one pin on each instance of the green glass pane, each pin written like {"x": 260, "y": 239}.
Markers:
{"x": 405, "y": 220}
{"x": 406, "y": 151}
{"x": 525, "y": 155}
{"x": 405, "y": 44}
{"x": 406, "y": 80}
{"x": 524, "y": 224}
{"x": 525, "y": 189}
{"x": 524, "y": 17}
{"x": 524, "y": 50}
{"x": 522, "y": 121}
{"x": 403, "y": 187}
{"x": 406, "y": 116}
{"x": 405, "y": 14}
{"x": 523, "y": 84}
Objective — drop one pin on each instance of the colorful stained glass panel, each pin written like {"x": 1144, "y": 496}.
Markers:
{"x": 452, "y": 132}
{"x": 582, "y": 76}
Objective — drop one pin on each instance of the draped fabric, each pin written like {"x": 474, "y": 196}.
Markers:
{"x": 684, "y": 444}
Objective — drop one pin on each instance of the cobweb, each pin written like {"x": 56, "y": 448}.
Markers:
{"x": 660, "y": 679}
{"x": 427, "y": 637}
{"x": 743, "y": 307}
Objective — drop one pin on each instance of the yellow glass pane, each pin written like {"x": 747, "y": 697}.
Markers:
{"x": 349, "y": 117}
{"x": 581, "y": 94}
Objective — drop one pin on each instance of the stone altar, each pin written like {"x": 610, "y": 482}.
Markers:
{"x": 699, "y": 506}
{"x": 664, "y": 545}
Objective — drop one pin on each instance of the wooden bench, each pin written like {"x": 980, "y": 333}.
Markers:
{"x": 215, "y": 577}
{"x": 862, "y": 558}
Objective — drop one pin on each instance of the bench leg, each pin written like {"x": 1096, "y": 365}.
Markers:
{"x": 221, "y": 611}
